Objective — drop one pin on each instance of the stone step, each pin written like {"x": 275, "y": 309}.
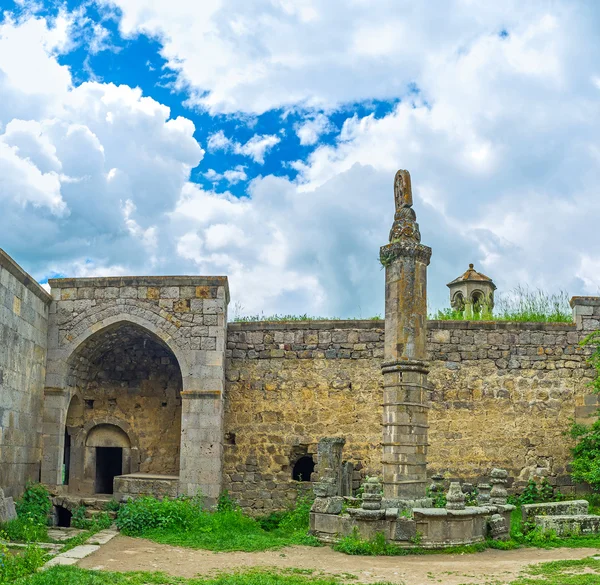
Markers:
{"x": 569, "y": 508}
{"x": 574, "y": 525}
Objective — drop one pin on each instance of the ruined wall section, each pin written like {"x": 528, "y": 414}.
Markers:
{"x": 503, "y": 395}
{"x": 288, "y": 385}
{"x": 23, "y": 332}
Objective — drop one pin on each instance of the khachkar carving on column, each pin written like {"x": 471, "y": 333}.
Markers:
{"x": 406, "y": 391}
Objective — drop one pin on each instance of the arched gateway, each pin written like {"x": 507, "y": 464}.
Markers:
{"x": 134, "y": 384}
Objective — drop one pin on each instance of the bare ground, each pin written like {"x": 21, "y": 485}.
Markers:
{"x": 136, "y": 554}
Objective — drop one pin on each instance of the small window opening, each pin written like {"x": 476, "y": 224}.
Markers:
{"x": 303, "y": 468}
{"x": 63, "y": 517}
{"x": 163, "y": 404}
{"x": 89, "y": 404}
{"x": 230, "y": 438}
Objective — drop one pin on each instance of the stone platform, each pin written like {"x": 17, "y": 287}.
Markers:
{"x": 144, "y": 484}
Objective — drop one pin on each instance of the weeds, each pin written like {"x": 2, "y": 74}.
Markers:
{"x": 31, "y": 524}
{"x": 184, "y": 522}
{"x": 76, "y": 576}
{"x": 13, "y": 566}
{"x": 97, "y": 522}
{"x": 521, "y": 305}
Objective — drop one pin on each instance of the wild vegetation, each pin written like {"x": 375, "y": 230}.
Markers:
{"x": 586, "y": 453}
{"x": 184, "y": 522}
{"x": 520, "y": 305}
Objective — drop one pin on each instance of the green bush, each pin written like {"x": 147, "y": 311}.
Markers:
{"x": 183, "y": 522}
{"x": 13, "y": 566}
{"x": 99, "y": 521}
{"x": 35, "y": 504}
{"x": 353, "y": 544}
{"x": 536, "y": 494}
{"x": 586, "y": 453}
{"x": 112, "y": 506}
{"x": 147, "y": 513}
{"x": 24, "y": 530}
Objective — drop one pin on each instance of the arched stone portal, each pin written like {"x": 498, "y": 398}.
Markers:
{"x": 146, "y": 352}
{"x": 125, "y": 382}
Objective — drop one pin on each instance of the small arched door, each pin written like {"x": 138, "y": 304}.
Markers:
{"x": 108, "y": 449}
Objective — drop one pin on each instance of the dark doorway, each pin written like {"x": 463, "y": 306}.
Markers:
{"x": 303, "y": 468}
{"x": 63, "y": 517}
{"x": 67, "y": 458}
{"x": 109, "y": 463}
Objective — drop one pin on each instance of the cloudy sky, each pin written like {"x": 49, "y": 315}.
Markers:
{"x": 259, "y": 140}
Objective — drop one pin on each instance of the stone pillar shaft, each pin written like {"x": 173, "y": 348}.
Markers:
{"x": 405, "y": 386}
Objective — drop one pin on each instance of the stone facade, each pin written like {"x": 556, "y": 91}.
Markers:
{"x": 23, "y": 338}
{"x": 503, "y": 394}
{"x": 149, "y": 365}
{"x": 136, "y": 363}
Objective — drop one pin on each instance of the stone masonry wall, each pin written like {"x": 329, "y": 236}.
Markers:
{"x": 503, "y": 395}
{"x": 186, "y": 314}
{"x": 288, "y": 385}
{"x": 23, "y": 331}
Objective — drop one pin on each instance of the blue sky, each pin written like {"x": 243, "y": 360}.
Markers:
{"x": 260, "y": 140}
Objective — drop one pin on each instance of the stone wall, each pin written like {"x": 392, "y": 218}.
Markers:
{"x": 179, "y": 321}
{"x": 23, "y": 331}
{"x": 288, "y": 385}
{"x": 503, "y": 395}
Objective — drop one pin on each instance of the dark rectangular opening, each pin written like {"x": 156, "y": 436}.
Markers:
{"x": 109, "y": 463}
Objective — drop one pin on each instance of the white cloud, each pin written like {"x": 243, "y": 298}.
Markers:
{"x": 266, "y": 55}
{"x": 236, "y": 175}
{"x": 313, "y": 128}
{"x": 218, "y": 141}
{"x": 500, "y": 135}
{"x": 70, "y": 155}
{"x": 255, "y": 148}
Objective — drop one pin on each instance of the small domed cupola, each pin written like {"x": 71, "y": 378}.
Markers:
{"x": 472, "y": 294}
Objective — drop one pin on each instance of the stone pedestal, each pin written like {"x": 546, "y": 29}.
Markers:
{"x": 406, "y": 391}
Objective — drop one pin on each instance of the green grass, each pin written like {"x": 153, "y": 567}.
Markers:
{"x": 183, "y": 522}
{"x": 287, "y": 318}
{"x": 571, "y": 572}
{"x": 75, "y": 576}
{"x": 521, "y": 305}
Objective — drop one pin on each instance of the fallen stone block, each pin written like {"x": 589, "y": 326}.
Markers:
{"x": 576, "y": 525}
{"x": 572, "y": 508}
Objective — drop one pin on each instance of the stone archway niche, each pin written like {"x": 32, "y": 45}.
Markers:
{"x": 144, "y": 354}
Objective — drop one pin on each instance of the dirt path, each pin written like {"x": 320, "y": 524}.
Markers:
{"x": 135, "y": 554}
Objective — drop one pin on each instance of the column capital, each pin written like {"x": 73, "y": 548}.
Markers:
{"x": 404, "y": 248}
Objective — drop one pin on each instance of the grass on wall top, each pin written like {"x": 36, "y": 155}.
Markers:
{"x": 521, "y": 305}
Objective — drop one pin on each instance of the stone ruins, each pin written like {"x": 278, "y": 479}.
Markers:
{"x": 139, "y": 385}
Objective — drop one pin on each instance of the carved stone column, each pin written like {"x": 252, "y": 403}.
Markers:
{"x": 406, "y": 391}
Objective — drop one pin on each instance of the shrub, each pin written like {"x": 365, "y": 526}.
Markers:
{"x": 99, "y": 521}
{"x": 534, "y": 494}
{"x": 14, "y": 566}
{"x": 226, "y": 503}
{"x": 375, "y": 546}
{"x": 138, "y": 516}
{"x": 24, "y": 530}
{"x": 112, "y": 506}
{"x": 35, "y": 504}
{"x": 586, "y": 452}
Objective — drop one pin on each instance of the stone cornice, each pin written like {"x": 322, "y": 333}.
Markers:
{"x": 405, "y": 248}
